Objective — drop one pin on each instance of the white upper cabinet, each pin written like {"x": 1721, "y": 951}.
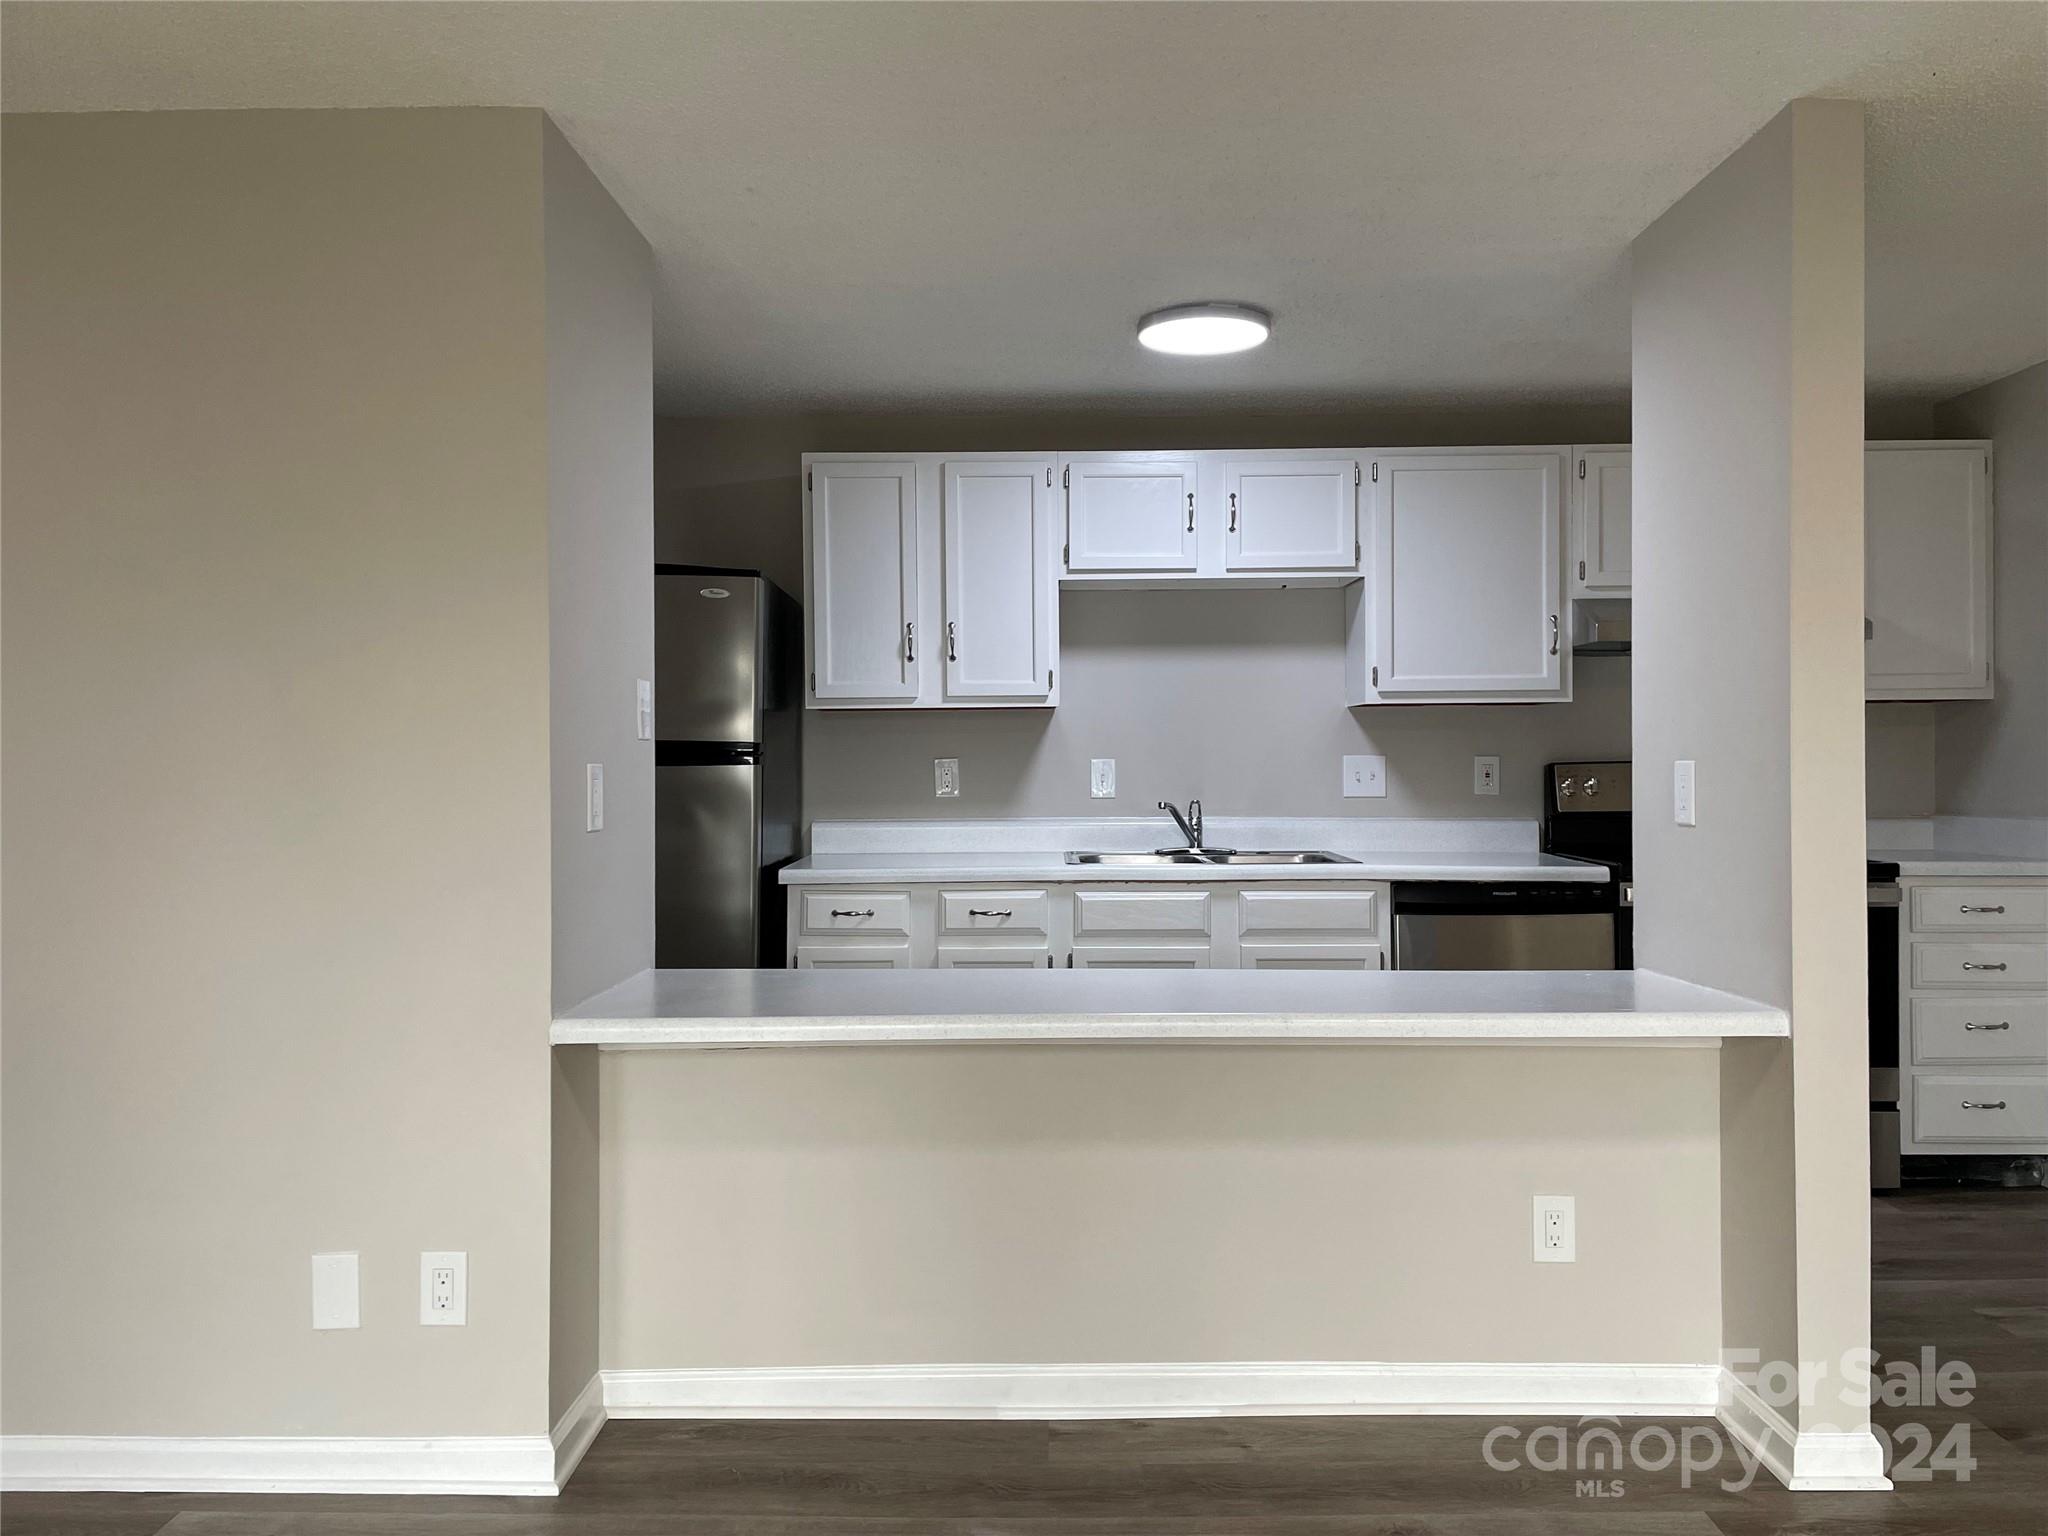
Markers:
{"x": 1131, "y": 512}
{"x": 1290, "y": 514}
{"x": 1467, "y": 587}
{"x": 1600, "y": 523}
{"x": 1000, "y": 584}
{"x": 862, "y": 572}
{"x": 1927, "y": 570}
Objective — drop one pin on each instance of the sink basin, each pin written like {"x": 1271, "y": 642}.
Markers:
{"x": 1211, "y": 856}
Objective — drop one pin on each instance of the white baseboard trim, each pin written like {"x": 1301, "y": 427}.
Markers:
{"x": 502, "y": 1464}
{"x": 578, "y": 1426}
{"x": 1805, "y": 1461}
{"x": 1160, "y": 1391}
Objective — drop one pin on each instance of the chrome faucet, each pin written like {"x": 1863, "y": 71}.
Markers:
{"x": 1190, "y": 825}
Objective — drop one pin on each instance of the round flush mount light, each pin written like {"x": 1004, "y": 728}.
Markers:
{"x": 1204, "y": 330}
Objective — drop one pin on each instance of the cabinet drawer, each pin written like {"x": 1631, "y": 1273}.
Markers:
{"x": 1983, "y": 1109}
{"x": 883, "y": 913}
{"x": 1020, "y": 912}
{"x": 1141, "y": 957}
{"x": 1980, "y": 908}
{"x": 1995, "y": 967}
{"x": 1310, "y": 957}
{"x": 853, "y": 957}
{"x": 1993, "y": 1030}
{"x": 1331, "y": 911}
{"x": 1121, "y": 914}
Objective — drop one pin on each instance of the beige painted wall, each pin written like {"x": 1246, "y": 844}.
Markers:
{"x": 1992, "y": 758}
{"x": 283, "y": 446}
{"x": 1748, "y": 368}
{"x": 600, "y": 380}
{"x": 995, "y": 1204}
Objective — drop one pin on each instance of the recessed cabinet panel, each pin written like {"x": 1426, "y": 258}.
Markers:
{"x": 1262, "y": 956}
{"x": 1134, "y": 513}
{"x": 853, "y": 957}
{"x": 991, "y": 957}
{"x": 1600, "y": 523}
{"x": 1137, "y": 957}
{"x": 999, "y": 579}
{"x": 1290, "y": 515}
{"x": 1466, "y": 581}
{"x": 1927, "y": 571}
{"x": 863, "y": 580}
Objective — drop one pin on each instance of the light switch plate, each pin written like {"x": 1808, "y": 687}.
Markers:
{"x": 1685, "y": 808}
{"x": 444, "y": 1289}
{"x": 946, "y": 777}
{"x": 1365, "y": 777}
{"x": 1102, "y": 778}
{"x": 593, "y": 797}
{"x": 1485, "y": 775}
{"x": 337, "y": 1291}
{"x": 644, "y": 711}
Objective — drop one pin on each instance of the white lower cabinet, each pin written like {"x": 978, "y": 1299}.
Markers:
{"x": 1152, "y": 925}
{"x": 1973, "y": 1016}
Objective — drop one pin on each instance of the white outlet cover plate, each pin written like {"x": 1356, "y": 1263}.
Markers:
{"x": 1685, "y": 801}
{"x": 456, "y": 1315}
{"x": 644, "y": 709}
{"x": 1485, "y": 775}
{"x": 946, "y": 777}
{"x": 1365, "y": 777}
{"x": 337, "y": 1291}
{"x": 593, "y": 797}
{"x": 1102, "y": 778}
{"x": 1566, "y": 1229}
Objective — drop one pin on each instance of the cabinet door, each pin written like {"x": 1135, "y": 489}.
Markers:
{"x": 1315, "y": 956}
{"x": 1466, "y": 574}
{"x": 1140, "y": 957}
{"x": 853, "y": 957}
{"x": 863, "y": 575}
{"x": 1600, "y": 523}
{"x": 991, "y": 957}
{"x": 1927, "y": 571}
{"x": 1135, "y": 512}
{"x": 1290, "y": 515}
{"x": 996, "y": 525}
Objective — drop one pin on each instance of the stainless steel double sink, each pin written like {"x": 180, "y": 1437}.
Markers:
{"x": 1210, "y": 856}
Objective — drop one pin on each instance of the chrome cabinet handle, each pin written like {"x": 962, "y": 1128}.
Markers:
{"x": 851, "y": 912}
{"x": 1233, "y": 512}
{"x": 910, "y": 642}
{"x": 1553, "y": 634}
{"x": 988, "y": 911}
{"x": 2002, "y": 1024}
{"x": 1999, "y": 909}
{"x": 1988, "y": 965}
{"x": 952, "y": 641}
{"x": 1191, "y": 511}
{"x": 1983, "y": 1103}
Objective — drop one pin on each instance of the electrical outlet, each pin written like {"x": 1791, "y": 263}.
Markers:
{"x": 1102, "y": 778}
{"x": 444, "y": 1289}
{"x": 1557, "y": 1223}
{"x": 1485, "y": 775}
{"x": 946, "y": 777}
{"x": 1365, "y": 778}
{"x": 593, "y": 797}
{"x": 337, "y": 1291}
{"x": 1685, "y": 809}
{"x": 644, "y": 709}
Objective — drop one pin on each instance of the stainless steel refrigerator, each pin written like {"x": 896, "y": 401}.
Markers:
{"x": 727, "y": 786}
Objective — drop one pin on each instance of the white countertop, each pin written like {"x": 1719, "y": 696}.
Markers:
{"x": 1962, "y": 864}
{"x": 704, "y": 1009}
{"x": 924, "y": 868}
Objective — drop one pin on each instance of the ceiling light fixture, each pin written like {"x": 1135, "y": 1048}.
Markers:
{"x": 1204, "y": 330}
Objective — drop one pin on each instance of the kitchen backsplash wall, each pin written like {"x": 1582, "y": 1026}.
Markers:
{"x": 1235, "y": 697}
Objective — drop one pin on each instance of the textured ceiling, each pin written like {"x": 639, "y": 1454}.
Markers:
{"x": 868, "y": 206}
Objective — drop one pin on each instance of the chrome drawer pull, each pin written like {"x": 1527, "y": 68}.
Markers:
{"x": 1983, "y": 1103}
{"x": 1999, "y": 909}
{"x": 988, "y": 911}
{"x": 1988, "y": 965}
{"x": 849, "y": 912}
{"x": 2004, "y": 1024}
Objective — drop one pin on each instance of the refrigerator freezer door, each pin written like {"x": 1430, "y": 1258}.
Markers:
{"x": 707, "y": 658}
{"x": 707, "y": 866}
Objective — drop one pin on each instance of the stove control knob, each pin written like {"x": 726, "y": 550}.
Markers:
{"x": 1567, "y": 787}
{"x": 1592, "y": 788}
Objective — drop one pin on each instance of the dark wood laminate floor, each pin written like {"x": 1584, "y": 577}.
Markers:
{"x": 1966, "y": 1272}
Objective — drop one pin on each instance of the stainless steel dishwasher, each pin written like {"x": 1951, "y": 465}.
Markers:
{"x": 1453, "y": 925}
